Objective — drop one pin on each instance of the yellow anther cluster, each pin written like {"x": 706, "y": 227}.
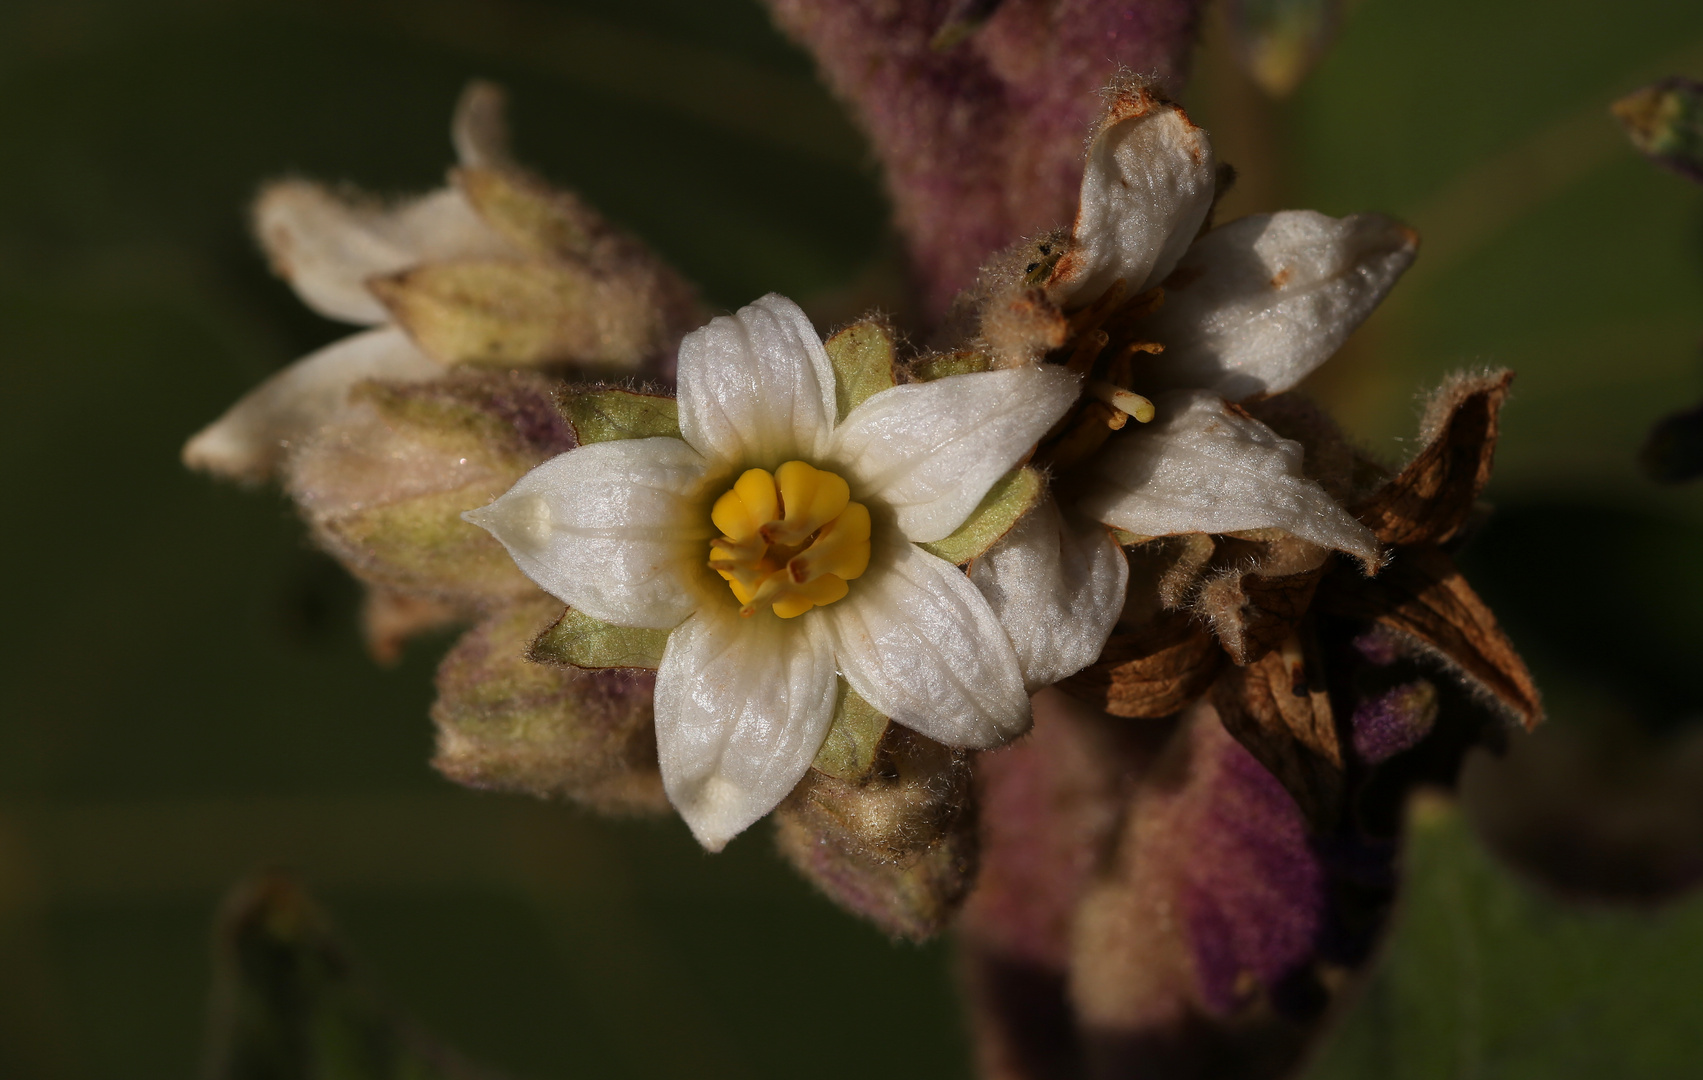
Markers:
{"x": 790, "y": 539}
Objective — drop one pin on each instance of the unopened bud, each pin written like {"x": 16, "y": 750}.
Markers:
{"x": 510, "y": 724}
{"x": 897, "y": 847}
{"x": 1665, "y": 122}
{"x": 498, "y": 313}
{"x": 384, "y": 490}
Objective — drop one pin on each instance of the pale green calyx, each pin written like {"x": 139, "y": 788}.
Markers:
{"x": 578, "y": 640}
{"x": 605, "y": 414}
{"x": 1004, "y": 505}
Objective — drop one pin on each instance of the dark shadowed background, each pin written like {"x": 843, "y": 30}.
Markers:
{"x": 184, "y": 699}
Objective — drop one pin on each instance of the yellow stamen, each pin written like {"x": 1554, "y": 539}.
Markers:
{"x": 1125, "y": 401}
{"x": 790, "y": 540}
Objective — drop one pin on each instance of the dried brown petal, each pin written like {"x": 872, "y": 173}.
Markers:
{"x": 1259, "y": 601}
{"x": 1181, "y": 562}
{"x": 1433, "y": 496}
{"x": 1423, "y": 597}
{"x": 1150, "y": 671}
{"x": 1278, "y": 709}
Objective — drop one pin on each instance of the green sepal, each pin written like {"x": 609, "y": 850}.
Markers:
{"x": 449, "y": 417}
{"x": 1125, "y": 538}
{"x": 526, "y": 212}
{"x": 848, "y": 753}
{"x": 421, "y": 544}
{"x": 948, "y": 364}
{"x": 1006, "y": 502}
{"x": 863, "y": 356}
{"x": 507, "y": 313}
{"x": 578, "y": 640}
{"x": 605, "y": 413}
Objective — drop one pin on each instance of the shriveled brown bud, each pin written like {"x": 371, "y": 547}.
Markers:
{"x": 384, "y": 490}
{"x": 511, "y": 724}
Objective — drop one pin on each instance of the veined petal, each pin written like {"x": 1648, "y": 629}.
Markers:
{"x": 756, "y": 387}
{"x": 247, "y": 442}
{"x": 742, "y": 707}
{"x": 1204, "y": 467}
{"x": 1259, "y": 303}
{"x": 619, "y": 530}
{"x": 327, "y": 247}
{"x": 916, "y": 640}
{"x": 931, "y": 450}
{"x": 1147, "y": 187}
{"x": 1057, "y": 586}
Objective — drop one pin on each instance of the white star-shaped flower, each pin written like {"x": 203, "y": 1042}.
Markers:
{"x": 1249, "y": 309}
{"x": 781, "y": 549}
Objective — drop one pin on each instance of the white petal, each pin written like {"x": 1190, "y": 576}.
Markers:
{"x": 1258, "y": 304}
{"x": 1203, "y": 467}
{"x": 919, "y": 643}
{"x": 479, "y": 129}
{"x": 327, "y": 247}
{"x": 1146, "y": 190}
{"x": 247, "y": 442}
{"x": 1057, "y": 587}
{"x": 931, "y": 450}
{"x": 756, "y": 388}
{"x": 742, "y": 707}
{"x": 619, "y": 530}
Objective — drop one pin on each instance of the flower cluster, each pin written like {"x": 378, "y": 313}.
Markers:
{"x": 828, "y": 578}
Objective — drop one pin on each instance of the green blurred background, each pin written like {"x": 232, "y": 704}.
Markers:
{"x": 183, "y": 697}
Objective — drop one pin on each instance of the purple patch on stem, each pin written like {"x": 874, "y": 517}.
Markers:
{"x": 1253, "y": 890}
{"x": 982, "y": 141}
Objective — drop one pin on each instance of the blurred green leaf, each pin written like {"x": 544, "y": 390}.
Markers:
{"x": 1281, "y": 40}
{"x": 1485, "y": 977}
{"x": 288, "y": 1006}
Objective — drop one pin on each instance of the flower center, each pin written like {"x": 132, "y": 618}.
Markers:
{"x": 1102, "y": 342}
{"x": 790, "y": 539}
